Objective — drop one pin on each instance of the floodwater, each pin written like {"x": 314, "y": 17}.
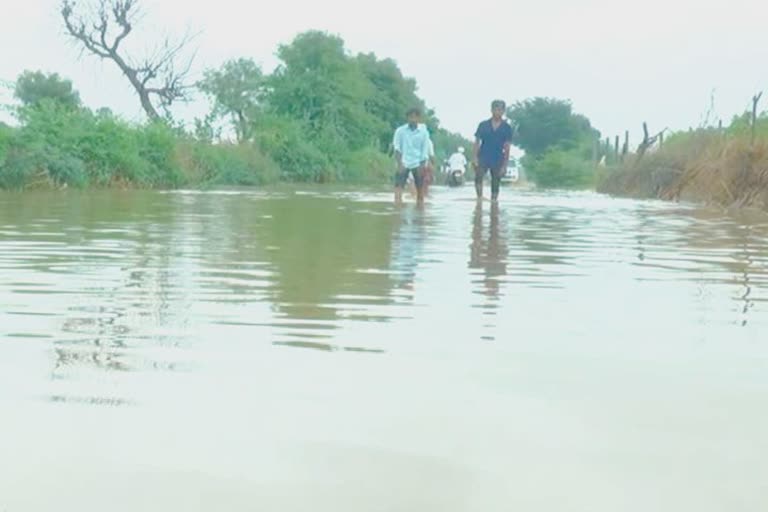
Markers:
{"x": 322, "y": 350}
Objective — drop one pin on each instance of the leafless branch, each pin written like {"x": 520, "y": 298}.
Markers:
{"x": 155, "y": 77}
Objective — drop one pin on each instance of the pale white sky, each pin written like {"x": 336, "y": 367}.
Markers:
{"x": 620, "y": 62}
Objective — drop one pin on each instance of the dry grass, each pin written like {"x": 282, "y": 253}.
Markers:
{"x": 706, "y": 167}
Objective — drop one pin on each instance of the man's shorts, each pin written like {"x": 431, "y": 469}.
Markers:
{"x": 401, "y": 178}
{"x": 497, "y": 171}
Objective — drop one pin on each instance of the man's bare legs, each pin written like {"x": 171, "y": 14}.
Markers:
{"x": 398, "y": 195}
{"x": 496, "y": 183}
{"x": 496, "y": 175}
{"x": 479, "y": 175}
{"x": 420, "y": 180}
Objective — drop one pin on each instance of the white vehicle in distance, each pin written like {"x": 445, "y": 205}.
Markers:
{"x": 512, "y": 173}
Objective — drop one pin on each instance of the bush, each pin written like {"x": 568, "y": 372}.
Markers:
{"x": 16, "y": 165}
{"x": 157, "y": 146}
{"x": 557, "y": 168}
{"x": 368, "y": 166}
{"x": 225, "y": 164}
{"x": 299, "y": 160}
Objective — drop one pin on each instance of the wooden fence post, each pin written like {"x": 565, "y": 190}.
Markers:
{"x": 625, "y": 149}
{"x": 755, "y": 100}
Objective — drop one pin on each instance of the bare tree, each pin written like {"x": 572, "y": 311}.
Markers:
{"x": 101, "y": 31}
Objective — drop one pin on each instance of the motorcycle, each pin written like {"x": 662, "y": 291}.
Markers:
{"x": 456, "y": 178}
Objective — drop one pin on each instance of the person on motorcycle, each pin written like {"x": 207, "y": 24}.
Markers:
{"x": 457, "y": 165}
{"x": 458, "y": 162}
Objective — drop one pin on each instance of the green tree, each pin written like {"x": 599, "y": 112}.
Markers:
{"x": 318, "y": 84}
{"x": 33, "y": 87}
{"x": 236, "y": 90}
{"x": 392, "y": 95}
{"x": 544, "y": 123}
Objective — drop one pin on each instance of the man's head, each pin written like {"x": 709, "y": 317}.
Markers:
{"x": 414, "y": 117}
{"x": 498, "y": 108}
{"x": 461, "y": 150}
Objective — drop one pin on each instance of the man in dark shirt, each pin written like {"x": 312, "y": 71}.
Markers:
{"x": 492, "y": 142}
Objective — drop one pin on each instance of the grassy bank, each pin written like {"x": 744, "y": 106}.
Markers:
{"x": 56, "y": 146}
{"x": 720, "y": 166}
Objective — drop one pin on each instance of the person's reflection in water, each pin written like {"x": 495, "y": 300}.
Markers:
{"x": 407, "y": 248}
{"x": 488, "y": 253}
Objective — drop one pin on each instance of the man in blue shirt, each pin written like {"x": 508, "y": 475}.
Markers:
{"x": 412, "y": 145}
{"x": 492, "y": 142}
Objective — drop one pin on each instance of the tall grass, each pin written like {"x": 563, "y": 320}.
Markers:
{"x": 708, "y": 165}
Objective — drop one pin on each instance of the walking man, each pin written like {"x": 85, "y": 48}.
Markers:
{"x": 412, "y": 145}
{"x": 491, "y": 153}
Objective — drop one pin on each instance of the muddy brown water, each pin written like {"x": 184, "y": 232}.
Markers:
{"x": 322, "y": 350}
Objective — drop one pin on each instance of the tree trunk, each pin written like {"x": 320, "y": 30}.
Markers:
{"x": 141, "y": 90}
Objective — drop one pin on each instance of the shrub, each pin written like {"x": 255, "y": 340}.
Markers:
{"x": 558, "y": 168}
{"x": 368, "y": 166}
{"x": 225, "y": 164}
{"x": 299, "y": 160}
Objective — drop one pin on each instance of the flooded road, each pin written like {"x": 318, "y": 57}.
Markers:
{"x": 325, "y": 351}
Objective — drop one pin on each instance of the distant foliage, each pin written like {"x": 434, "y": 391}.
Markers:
{"x": 544, "y": 123}
{"x": 34, "y": 87}
{"x": 57, "y": 145}
{"x": 237, "y": 89}
{"x": 324, "y": 115}
{"x": 557, "y": 141}
{"x": 560, "y": 169}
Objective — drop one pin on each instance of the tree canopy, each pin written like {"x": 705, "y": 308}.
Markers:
{"x": 33, "y": 87}
{"x": 323, "y": 112}
{"x": 557, "y": 142}
{"x": 544, "y": 123}
{"x": 236, "y": 90}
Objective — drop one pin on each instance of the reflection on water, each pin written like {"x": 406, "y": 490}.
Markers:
{"x": 489, "y": 253}
{"x": 482, "y": 342}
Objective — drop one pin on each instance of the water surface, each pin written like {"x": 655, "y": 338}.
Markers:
{"x": 323, "y": 350}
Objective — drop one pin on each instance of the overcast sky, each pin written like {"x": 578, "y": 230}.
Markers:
{"x": 619, "y": 62}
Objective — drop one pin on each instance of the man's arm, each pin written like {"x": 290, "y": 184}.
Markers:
{"x": 431, "y": 147}
{"x": 508, "y": 145}
{"x": 426, "y": 154}
{"x": 397, "y": 144}
{"x": 476, "y": 148}
{"x": 476, "y": 153}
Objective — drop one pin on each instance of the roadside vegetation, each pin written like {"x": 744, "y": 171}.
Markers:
{"x": 558, "y": 143}
{"x": 723, "y": 165}
{"x": 323, "y": 115}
